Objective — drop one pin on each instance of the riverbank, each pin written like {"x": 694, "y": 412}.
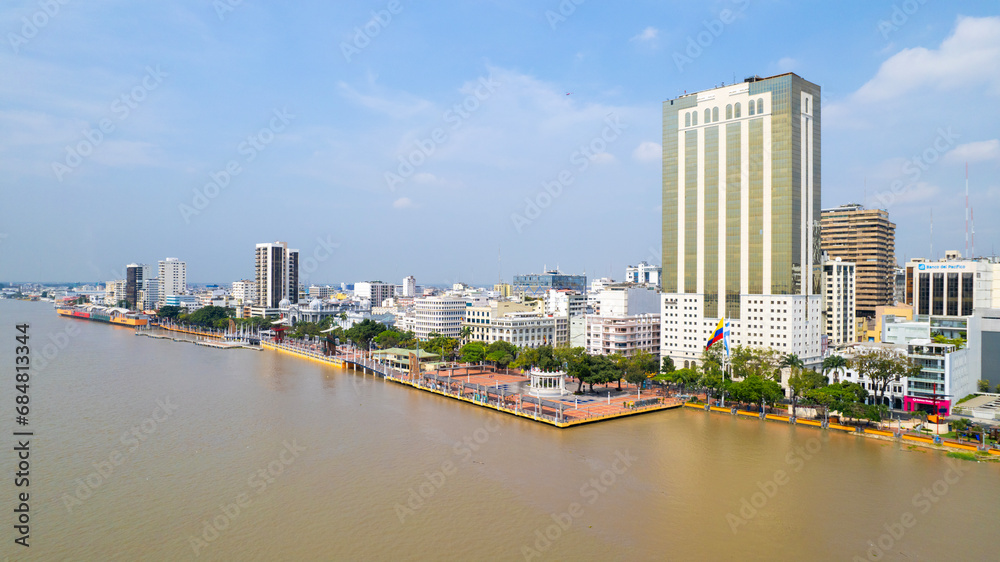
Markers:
{"x": 991, "y": 455}
{"x": 503, "y": 392}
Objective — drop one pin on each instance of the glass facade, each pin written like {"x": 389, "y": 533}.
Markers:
{"x": 711, "y": 222}
{"x": 670, "y": 220}
{"x": 690, "y": 211}
{"x": 952, "y": 294}
{"x": 937, "y": 290}
{"x": 734, "y": 178}
{"x": 756, "y": 218}
{"x": 967, "y": 294}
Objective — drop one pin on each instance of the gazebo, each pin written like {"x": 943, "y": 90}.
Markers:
{"x": 547, "y": 383}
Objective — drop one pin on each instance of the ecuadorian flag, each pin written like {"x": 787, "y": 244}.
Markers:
{"x": 721, "y": 334}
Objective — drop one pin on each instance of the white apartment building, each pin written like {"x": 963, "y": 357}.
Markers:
{"x": 244, "y": 292}
{"x": 741, "y": 209}
{"x": 441, "y": 314}
{"x": 626, "y": 335}
{"x": 409, "y": 286}
{"x": 643, "y": 273}
{"x": 524, "y": 329}
{"x": 374, "y": 291}
{"x": 622, "y": 299}
{"x": 839, "y": 301}
{"x": 172, "y": 279}
{"x": 276, "y": 274}
{"x": 565, "y": 302}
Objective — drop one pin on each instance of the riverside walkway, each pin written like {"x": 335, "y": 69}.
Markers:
{"x": 502, "y": 391}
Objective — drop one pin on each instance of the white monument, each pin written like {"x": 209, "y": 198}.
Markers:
{"x": 547, "y": 383}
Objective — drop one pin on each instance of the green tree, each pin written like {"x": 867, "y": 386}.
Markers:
{"x": 473, "y": 352}
{"x": 883, "y": 367}
{"x": 802, "y": 382}
{"x": 574, "y": 359}
{"x": 765, "y": 363}
{"x": 835, "y": 364}
{"x": 464, "y": 333}
{"x": 364, "y": 332}
{"x": 207, "y": 315}
{"x": 169, "y": 311}
{"x": 640, "y": 366}
{"x": 983, "y": 385}
{"x": 621, "y": 363}
{"x": 389, "y": 338}
{"x": 684, "y": 377}
{"x": 667, "y": 366}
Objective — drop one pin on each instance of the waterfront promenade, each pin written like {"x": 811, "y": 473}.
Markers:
{"x": 502, "y": 391}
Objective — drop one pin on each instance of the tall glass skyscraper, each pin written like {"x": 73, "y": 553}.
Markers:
{"x": 741, "y": 210}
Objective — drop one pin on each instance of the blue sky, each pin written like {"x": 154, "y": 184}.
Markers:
{"x": 313, "y": 108}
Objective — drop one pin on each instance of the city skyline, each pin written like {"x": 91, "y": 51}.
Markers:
{"x": 201, "y": 138}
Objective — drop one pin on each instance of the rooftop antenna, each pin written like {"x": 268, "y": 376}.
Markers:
{"x": 972, "y": 215}
{"x": 966, "y": 209}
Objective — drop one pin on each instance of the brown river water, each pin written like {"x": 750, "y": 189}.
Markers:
{"x": 157, "y": 450}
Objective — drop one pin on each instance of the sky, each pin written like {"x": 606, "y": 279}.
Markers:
{"x": 454, "y": 141}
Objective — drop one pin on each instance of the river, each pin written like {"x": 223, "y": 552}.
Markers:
{"x": 152, "y": 449}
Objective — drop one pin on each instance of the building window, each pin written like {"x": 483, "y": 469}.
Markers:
{"x": 687, "y": 119}
{"x": 715, "y": 114}
{"x": 694, "y": 118}
{"x": 737, "y": 110}
{"x": 729, "y": 111}
{"x": 708, "y": 115}
{"x": 760, "y": 106}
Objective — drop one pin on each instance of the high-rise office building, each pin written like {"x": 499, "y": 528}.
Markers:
{"x": 135, "y": 275}
{"x": 277, "y": 274}
{"x": 172, "y": 279}
{"x": 741, "y": 206}
{"x": 866, "y": 238}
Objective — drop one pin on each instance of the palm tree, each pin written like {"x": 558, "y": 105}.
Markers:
{"x": 464, "y": 333}
{"x": 835, "y": 364}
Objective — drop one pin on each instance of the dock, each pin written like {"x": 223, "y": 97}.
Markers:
{"x": 489, "y": 388}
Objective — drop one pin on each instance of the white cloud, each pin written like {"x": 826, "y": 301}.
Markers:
{"x": 787, "y": 64}
{"x": 402, "y": 203}
{"x": 424, "y": 177}
{"x": 975, "y": 152}
{"x": 648, "y": 151}
{"x": 401, "y": 106}
{"x": 602, "y": 158}
{"x": 646, "y": 35}
{"x": 970, "y": 56}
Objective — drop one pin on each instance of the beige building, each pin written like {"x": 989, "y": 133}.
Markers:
{"x": 519, "y": 324}
{"x": 867, "y": 238}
